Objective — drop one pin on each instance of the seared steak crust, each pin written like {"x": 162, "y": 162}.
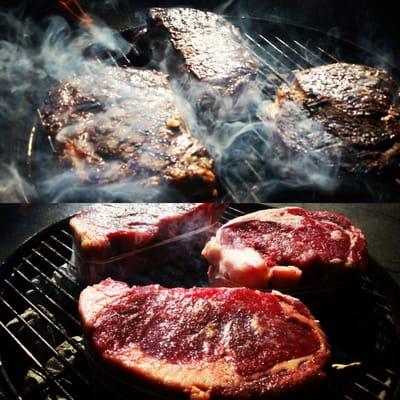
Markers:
{"x": 211, "y": 49}
{"x": 125, "y": 125}
{"x": 210, "y": 58}
{"x": 356, "y": 107}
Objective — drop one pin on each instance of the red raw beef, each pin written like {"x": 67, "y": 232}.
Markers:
{"x": 278, "y": 247}
{"x": 105, "y": 233}
{"x": 203, "y": 343}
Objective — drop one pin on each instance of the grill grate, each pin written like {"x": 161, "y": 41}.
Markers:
{"x": 246, "y": 176}
{"x": 42, "y": 350}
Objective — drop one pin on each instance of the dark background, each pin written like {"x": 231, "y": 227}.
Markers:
{"x": 379, "y": 222}
{"x": 370, "y": 23}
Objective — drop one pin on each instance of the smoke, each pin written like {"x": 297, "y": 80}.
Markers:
{"x": 13, "y": 187}
{"x": 251, "y": 161}
{"x": 33, "y": 58}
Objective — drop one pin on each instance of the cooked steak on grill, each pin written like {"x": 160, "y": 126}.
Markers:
{"x": 104, "y": 232}
{"x": 203, "y": 343}
{"x": 355, "y": 113}
{"x": 284, "y": 247}
{"x": 124, "y": 124}
{"x": 202, "y": 47}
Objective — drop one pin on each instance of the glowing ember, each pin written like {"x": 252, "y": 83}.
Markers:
{"x": 75, "y": 9}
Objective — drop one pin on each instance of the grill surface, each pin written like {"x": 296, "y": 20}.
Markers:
{"x": 42, "y": 351}
{"x": 243, "y": 170}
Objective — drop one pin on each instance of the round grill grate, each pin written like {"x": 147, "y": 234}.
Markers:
{"x": 42, "y": 353}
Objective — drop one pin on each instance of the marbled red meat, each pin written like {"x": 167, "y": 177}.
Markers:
{"x": 206, "y": 342}
{"x": 105, "y": 231}
{"x": 274, "y": 247}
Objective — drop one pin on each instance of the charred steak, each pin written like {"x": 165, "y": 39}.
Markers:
{"x": 203, "y": 343}
{"x": 105, "y": 231}
{"x": 282, "y": 247}
{"x": 202, "y": 47}
{"x": 124, "y": 124}
{"x": 356, "y": 113}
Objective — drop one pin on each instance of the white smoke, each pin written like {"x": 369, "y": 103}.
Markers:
{"x": 33, "y": 57}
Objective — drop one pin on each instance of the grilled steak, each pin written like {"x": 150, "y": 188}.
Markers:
{"x": 203, "y": 343}
{"x": 105, "y": 232}
{"x": 207, "y": 53}
{"x": 282, "y": 247}
{"x": 125, "y": 125}
{"x": 342, "y": 114}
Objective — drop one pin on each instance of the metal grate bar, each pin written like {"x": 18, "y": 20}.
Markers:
{"x": 307, "y": 50}
{"x": 269, "y": 55}
{"x": 364, "y": 389}
{"x": 284, "y": 55}
{"x": 75, "y": 345}
{"x": 57, "y": 287}
{"x": 47, "y": 297}
{"x": 60, "y": 358}
{"x": 57, "y": 253}
{"x": 67, "y": 234}
{"x": 376, "y": 380}
{"x": 333, "y": 58}
{"x": 263, "y": 62}
{"x": 36, "y": 361}
{"x": 298, "y": 54}
{"x": 55, "y": 268}
{"x": 61, "y": 243}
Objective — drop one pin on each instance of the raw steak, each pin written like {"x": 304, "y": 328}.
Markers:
{"x": 282, "y": 247}
{"x": 104, "y": 233}
{"x": 203, "y": 343}
{"x": 343, "y": 115}
{"x": 124, "y": 125}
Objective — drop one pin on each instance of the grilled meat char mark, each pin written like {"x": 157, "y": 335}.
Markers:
{"x": 203, "y": 343}
{"x": 104, "y": 231}
{"x": 357, "y": 109}
{"x": 124, "y": 124}
{"x": 201, "y": 47}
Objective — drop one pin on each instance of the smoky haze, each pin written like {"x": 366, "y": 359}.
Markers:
{"x": 34, "y": 56}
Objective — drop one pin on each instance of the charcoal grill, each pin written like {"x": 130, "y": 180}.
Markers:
{"x": 41, "y": 335}
{"x": 244, "y": 173}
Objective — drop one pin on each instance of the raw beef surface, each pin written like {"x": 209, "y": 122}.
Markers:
{"x": 274, "y": 247}
{"x": 221, "y": 341}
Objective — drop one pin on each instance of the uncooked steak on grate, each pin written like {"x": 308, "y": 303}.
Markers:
{"x": 284, "y": 247}
{"x": 103, "y": 231}
{"x": 356, "y": 113}
{"x": 124, "y": 124}
{"x": 204, "y": 343}
{"x": 208, "y": 53}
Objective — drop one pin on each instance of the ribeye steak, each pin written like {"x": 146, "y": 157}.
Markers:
{"x": 105, "y": 231}
{"x": 356, "y": 115}
{"x": 124, "y": 125}
{"x": 284, "y": 247}
{"x": 208, "y": 54}
{"x": 203, "y": 343}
